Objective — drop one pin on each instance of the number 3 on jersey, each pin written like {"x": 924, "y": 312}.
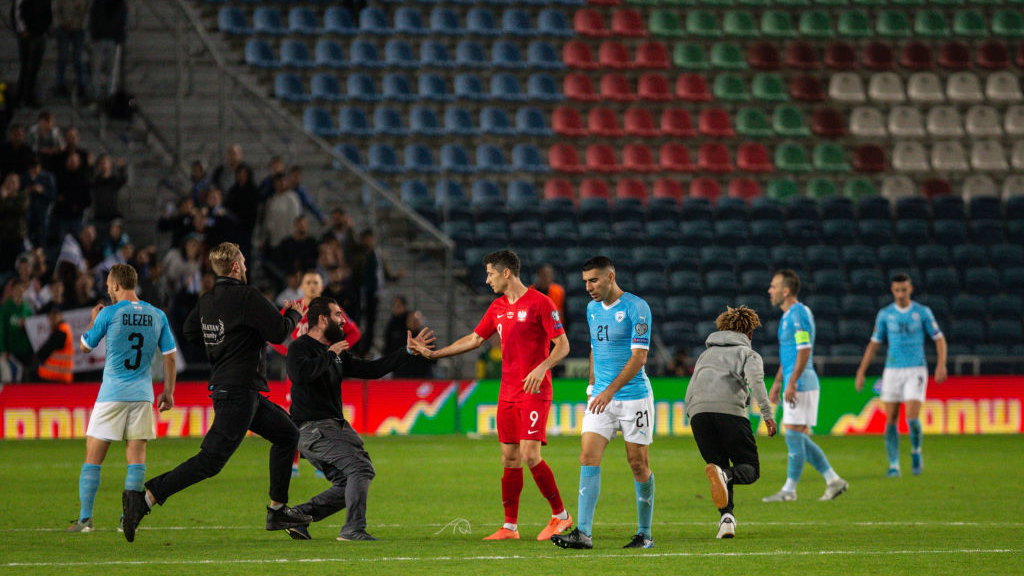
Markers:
{"x": 138, "y": 341}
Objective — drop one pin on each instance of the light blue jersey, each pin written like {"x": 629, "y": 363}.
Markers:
{"x": 796, "y": 332}
{"x": 614, "y": 332}
{"x": 904, "y": 330}
{"x": 133, "y": 331}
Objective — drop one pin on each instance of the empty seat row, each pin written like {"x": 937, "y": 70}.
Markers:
{"x": 937, "y": 122}
{"x": 926, "y": 87}
{"x": 625, "y": 22}
{"x": 429, "y": 87}
{"x": 454, "y": 158}
{"x": 952, "y": 156}
{"x": 692, "y": 87}
{"x": 424, "y": 121}
{"x": 842, "y": 55}
{"x": 614, "y": 54}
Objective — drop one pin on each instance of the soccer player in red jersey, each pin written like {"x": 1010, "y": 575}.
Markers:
{"x": 527, "y": 323}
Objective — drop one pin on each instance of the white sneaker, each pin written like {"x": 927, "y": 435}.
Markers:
{"x": 834, "y": 489}
{"x": 719, "y": 485}
{"x": 781, "y": 496}
{"x": 727, "y": 527}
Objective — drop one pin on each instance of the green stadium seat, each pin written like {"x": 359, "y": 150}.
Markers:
{"x": 816, "y": 24}
{"x": 728, "y": 56}
{"x": 832, "y": 3}
{"x": 949, "y": 2}
{"x": 703, "y": 24}
{"x": 820, "y": 188}
{"x": 782, "y": 189}
{"x": 723, "y": 3}
{"x": 970, "y": 23}
{"x": 859, "y": 187}
{"x": 755, "y": 3}
{"x": 930, "y": 24}
{"x": 739, "y": 23}
{"x": 792, "y": 3}
{"x": 892, "y": 24}
{"x": 769, "y": 87}
{"x": 855, "y": 24}
{"x": 690, "y": 56}
{"x": 788, "y": 121}
{"x": 1008, "y": 23}
{"x": 646, "y": 2}
{"x": 730, "y": 88}
{"x": 792, "y": 157}
{"x": 878, "y": 3}
{"x": 665, "y": 23}
{"x": 778, "y": 24}
{"x": 753, "y": 122}
{"x": 830, "y": 157}
{"x": 908, "y": 3}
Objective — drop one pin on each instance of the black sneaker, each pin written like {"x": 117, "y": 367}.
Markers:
{"x": 133, "y": 509}
{"x": 354, "y": 536}
{"x": 640, "y": 541}
{"x": 576, "y": 540}
{"x": 299, "y": 533}
{"x": 286, "y": 517}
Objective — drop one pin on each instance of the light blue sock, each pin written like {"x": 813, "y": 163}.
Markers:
{"x": 88, "y": 485}
{"x": 916, "y": 435}
{"x": 136, "y": 476}
{"x": 797, "y": 455}
{"x": 815, "y": 455}
{"x": 892, "y": 444}
{"x": 590, "y": 489}
{"x": 644, "y": 506}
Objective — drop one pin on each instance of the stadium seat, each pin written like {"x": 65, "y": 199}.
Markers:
{"x": 788, "y": 121}
{"x": 970, "y": 24}
{"x": 628, "y": 23}
{"x": 638, "y": 158}
{"x": 705, "y": 188}
{"x": 690, "y": 56}
{"x": 399, "y": 54}
{"x": 470, "y": 54}
{"x": 840, "y": 55}
{"x": 288, "y": 87}
{"x": 505, "y": 87}
{"x": 802, "y": 55}
{"x": 420, "y": 159}
{"x": 674, "y": 157}
{"x": 954, "y": 56}
{"x": 651, "y": 55}
{"x": 604, "y": 122}
{"x": 616, "y": 88}
{"x": 1003, "y": 87}
{"x": 715, "y": 122}
{"x": 397, "y": 88}
{"x": 730, "y": 88}
{"x": 964, "y": 88}
{"x": 768, "y": 87}
{"x": 409, "y": 21}
{"x": 435, "y": 55}
{"x": 1008, "y": 23}
{"x": 602, "y": 158}
{"x": 944, "y": 121}
{"x": 861, "y": 187}
{"x": 505, "y": 54}
{"x": 258, "y": 54}
{"x": 727, "y": 56}
{"x": 949, "y": 157}
{"x": 916, "y": 55}
{"x": 925, "y": 88}
{"x": 878, "y": 56}
{"x": 325, "y": 88}
{"x": 677, "y": 122}
{"x": 552, "y": 22}
{"x": 847, "y": 87}
{"x": 383, "y": 158}
{"x": 388, "y": 122}
{"x": 653, "y": 87}
{"x": 763, "y": 56}
{"x": 587, "y": 22}
{"x": 329, "y": 54}
{"x": 490, "y": 158}
{"x": 791, "y": 157}
{"x": 267, "y": 20}
{"x": 564, "y": 158}
{"x": 338, "y": 21}
{"x": 988, "y": 156}
{"x": 754, "y": 157}
{"x": 457, "y": 121}
{"x": 753, "y": 122}
{"x": 806, "y": 88}
{"x": 992, "y": 55}
{"x": 516, "y": 22}
{"x": 231, "y": 20}
{"x": 713, "y": 157}
{"x": 374, "y": 21}
{"x": 692, "y": 88}
{"x": 854, "y": 24}
{"x": 495, "y": 122}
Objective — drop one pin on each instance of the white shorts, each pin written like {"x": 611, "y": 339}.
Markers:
{"x": 904, "y": 384}
{"x": 113, "y": 421}
{"x": 804, "y": 412}
{"x": 634, "y": 417}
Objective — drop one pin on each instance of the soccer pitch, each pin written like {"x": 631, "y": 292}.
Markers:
{"x": 434, "y": 498}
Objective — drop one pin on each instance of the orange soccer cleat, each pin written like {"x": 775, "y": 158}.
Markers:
{"x": 555, "y": 526}
{"x": 504, "y": 534}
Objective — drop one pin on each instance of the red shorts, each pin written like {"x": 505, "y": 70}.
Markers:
{"x": 523, "y": 420}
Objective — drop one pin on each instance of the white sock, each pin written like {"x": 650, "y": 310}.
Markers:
{"x": 789, "y": 486}
{"x": 150, "y": 500}
{"x": 830, "y": 476}
{"x": 564, "y": 514}
{"x": 512, "y": 527}
{"x": 276, "y": 506}
{"x": 727, "y": 515}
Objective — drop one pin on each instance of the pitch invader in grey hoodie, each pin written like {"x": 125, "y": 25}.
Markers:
{"x": 725, "y": 377}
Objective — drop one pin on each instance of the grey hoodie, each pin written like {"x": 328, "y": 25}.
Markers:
{"x": 726, "y": 375}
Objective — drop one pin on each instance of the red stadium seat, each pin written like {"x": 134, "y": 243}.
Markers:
{"x": 744, "y": 188}
{"x": 654, "y": 87}
{"x": 802, "y": 56}
{"x": 869, "y": 158}
{"x": 629, "y": 189}
{"x": 841, "y": 56}
{"x": 1019, "y": 59}
{"x": 754, "y": 157}
{"x": 936, "y": 187}
{"x": 677, "y": 122}
{"x": 955, "y": 56}
{"x": 566, "y": 121}
{"x": 589, "y": 22}
{"x": 627, "y": 22}
{"x": 578, "y": 54}
{"x": 675, "y": 157}
{"x": 993, "y": 55}
{"x": 615, "y": 87}
{"x": 638, "y": 158}
{"x": 564, "y": 158}
{"x": 668, "y": 188}
{"x": 878, "y": 56}
{"x": 705, "y": 188}
{"x": 612, "y": 54}
{"x": 603, "y": 122}
{"x": 651, "y": 55}
{"x": 591, "y": 188}
{"x": 713, "y": 157}
{"x": 580, "y": 87}
{"x": 601, "y": 158}
{"x": 916, "y": 55}
{"x": 715, "y": 122}
{"x": 806, "y": 89}
{"x": 604, "y": 2}
{"x": 828, "y": 123}
{"x": 764, "y": 56}
{"x": 693, "y": 88}
{"x": 639, "y": 122}
{"x": 558, "y": 188}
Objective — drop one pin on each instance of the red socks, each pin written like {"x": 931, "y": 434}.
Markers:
{"x": 545, "y": 480}
{"x": 511, "y": 487}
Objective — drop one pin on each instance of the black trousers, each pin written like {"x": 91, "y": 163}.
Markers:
{"x": 334, "y": 448}
{"x": 235, "y": 412}
{"x": 30, "y": 55}
{"x": 728, "y": 442}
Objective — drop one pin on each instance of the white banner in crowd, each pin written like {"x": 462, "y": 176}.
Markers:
{"x": 38, "y": 329}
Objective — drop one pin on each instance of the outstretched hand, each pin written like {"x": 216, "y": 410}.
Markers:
{"x": 339, "y": 347}
{"x": 294, "y": 305}
{"x": 422, "y": 344}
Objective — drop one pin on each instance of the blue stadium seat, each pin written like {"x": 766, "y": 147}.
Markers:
{"x": 495, "y": 122}
{"x": 838, "y": 232}
{"x": 856, "y": 257}
{"x": 837, "y": 208}
{"x": 769, "y": 209}
{"x": 388, "y": 122}
{"x": 523, "y": 235}
{"x": 489, "y": 158}
{"x": 480, "y": 22}
{"x": 875, "y": 232}
{"x": 457, "y": 121}
{"x": 823, "y": 257}
{"x": 231, "y": 20}
{"x": 823, "y": 305}
{"x": 399, "y": 54}
{"x": 717, "y": 257}
{"x": 722, "y": 282}
{"x": 696, "y": 209}
{"x": 353, "y": 122}
{"x": 552, "y": 22}
{"x": 267, "y": 20}
{"x": 948, "y": 208}
{"x": 360, "y": 88}
{"x": 873, "y": 207}
{"x": 419, "y": 158}
{"x": 766, "y": 233}
{"x": 506, "y": 87}
{"x": 396, "y": 88}
{"x": 754, "y": 281}
{"x": 939, "y": 306}
{"x": 303, "y": 21}
{"x": 325, "y": 87}
{"x": 969, "y": 306}
{"x": 868, "y": 281}
{"x": 530, "y": 121}
{"x": 486, "y": 194}
{"x": 685, "y": 308}
{"x": 1006, "y": 255}
{"x": 445, "y": 21}
{"x": 913, "y": 207}
{"x": 594, "y": 233}
{"x": 714, "y": 304}
{"x": 288, "y": 87}
{"x": 913, "y": 232}
{"x": 982, "y": 280}
{"x": 987, "y": 232}
{"x": 348, "y": 152}
{"x": 801, "y": 208}
{"x": 942, "y": 282}
{"x": 505, "y": 54}
{"x": 931, "y": 256}
{"x": 542, "y": 55}
{"x": 802, "y": 232}
{"x": 968, "y": 255}
{"x": 415, "y": 194}
{"x": 383, "y": 158}
{"x": 329, "y": 54}
{"x": 662, "y": 233}
{"x": 853, "y": 331}
{"x": 986, "y": 208}
{"x": 469, "y": 87}
{"x": 541, "y": 86}
{"x": 785, "y": 256}
{"x": 409, "y": 21}
{"x": 515, "y": 22}
{"x": 363, "y": 54}
{"x": 374, "y": 21}
{"x": 1015, "y": 230}
{"x": 1008, "y": 306}
{"x": 686, "y": 283}
{"x": 1013, "y": 276}
{"x": 857, "y": 307}
{"x": 650, "y": 282}
{"x": 450, "y": 199}
{"x": 433, "y": 88}
{"x": 470, "y": 54}
{"x": 825, "y": 333}
{"x": 455, "y": 159}
{"x": 423, "y": 122}
{"x": 895, "y": 257}
{"x": 752, "y": 257}
{"x": 968, "y": 331}
{"x": 527, "y": 158}
{"x": 731, "y": 232}
{"x": 831, "y": 282}
{"x": 729, "y": 208}
{"x": 697, "y": 233}
{"x": 258, "y": 54}
{"x": 522, "y": 193}
{"x": 318, "y": 121}
{"x": 435, "y": 55}
{"x": 295, "y": 54}
{"x": 950, "y": 232}
{"x": 338, "y": 20}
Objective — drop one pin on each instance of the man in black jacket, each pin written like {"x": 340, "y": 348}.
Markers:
{"x": 31, "y": 20}
{"x": 233, "y": 321}
{"x": 317, "y": 362}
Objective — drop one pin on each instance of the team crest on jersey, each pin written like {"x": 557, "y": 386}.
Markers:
{"x": 641, "y": 329}
{"x": 509, "y": 314}
{"x": 620, "y": 316}
{"x": 916, "y": 317}
{"x": 521, "y": 316}
{"x": 554, "y": 316}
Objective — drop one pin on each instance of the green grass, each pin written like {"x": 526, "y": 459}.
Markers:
{"x": 963, "y": 516}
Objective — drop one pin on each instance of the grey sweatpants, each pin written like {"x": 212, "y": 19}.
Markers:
{"x": 334, "y": 448}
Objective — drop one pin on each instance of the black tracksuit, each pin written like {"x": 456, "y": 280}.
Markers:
{"x": 327, "y": 440}
{"x": 234, "y": 321}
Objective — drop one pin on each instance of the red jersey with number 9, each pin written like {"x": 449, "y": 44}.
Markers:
{"x": 526, "y": 329}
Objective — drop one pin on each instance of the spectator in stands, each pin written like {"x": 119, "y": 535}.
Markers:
{"x": 106, "y": 185}
{"x": 46, "y": 139}
{"x": 341, "y": 229}
{"x": 221, "y": 224}
{"x": 544, "y": 282}
{"x": 199, "y": 183}
{"x": 178, "y": 222}
{"x": 291, "y": 290}
{"x": 123, "y": 255}
{"x": 15, "y": 153}
{"x": 56, "y": 355}
{"x": 34, "y": 287}
{"x": 113, "y": 238}
{"x": 70, "y": 18}
{"x": 74, "y": 196}
{"x": 85, "y": 293}
{"x": 341, "y": 287}
{"x": 56, "y": 300}
{"x": 182, "y": 281}
{"x": 13, "y": 223}
{"x": 308, "y": 204}
{"x": 241, "y": 200}
{"x": 72, "y": 145}
{"x": 13, "y": 338}
{"x": 222, "y": 175}
{"x": 108, "y": 27}
{"x": 298, "y": 251}
{"x": 402, "y": 319}
{"x": 282, "y": 210}
{"x": 374, "y": 273}
{"x": 75, "y": 257}
{"x": 276, "y": 167}
{"x": 31, "y": 20}
{"x": 329, "y": 256}
{"x": 144, "y": 261}
{"x": 41, "y": 188}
